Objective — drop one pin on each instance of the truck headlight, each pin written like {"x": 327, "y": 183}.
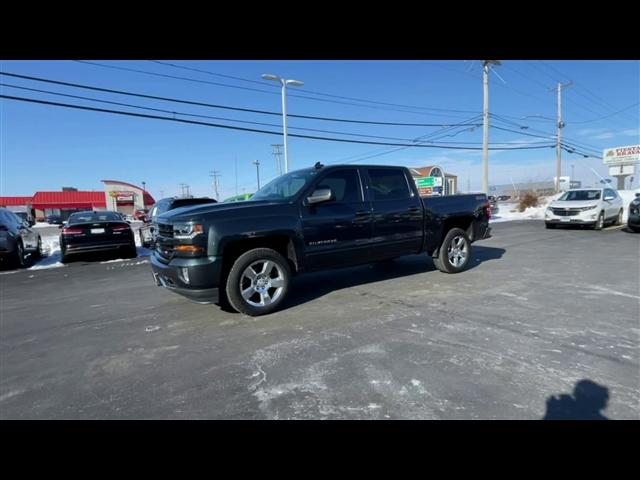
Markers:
{"x": 187, "y": 231}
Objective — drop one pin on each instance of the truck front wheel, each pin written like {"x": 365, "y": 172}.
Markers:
{"x": 454, "y": 253}
{"x": 258, "y": 282}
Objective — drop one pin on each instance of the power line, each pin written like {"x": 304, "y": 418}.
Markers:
{"x": 145, "y": 72}
{"x": 172, "y": 112}
{"x": 230, "y": 127}
{"x": 212, "y": 105}
{"x": 311, "y": 91}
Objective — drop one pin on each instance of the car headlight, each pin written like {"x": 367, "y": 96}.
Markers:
{"x": 187, "y": 231}
{"x": 590, "y": 207}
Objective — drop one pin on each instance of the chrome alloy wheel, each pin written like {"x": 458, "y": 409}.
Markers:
{"x": 262, "y": 283}
{"x": 457, "y": 251}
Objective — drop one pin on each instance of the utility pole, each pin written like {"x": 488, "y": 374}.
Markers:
{"x": 144, "y": 191}
{"x": 257, "y": 164}
{"x": 571, "y": 179}
{"x": 486, "y": 64}
{"x": 278, "y": 154}
{"x": 215, "y": 175}
{"x": 560, "y": 126}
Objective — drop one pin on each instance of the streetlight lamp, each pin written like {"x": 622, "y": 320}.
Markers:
{"x": 284, "y": 83}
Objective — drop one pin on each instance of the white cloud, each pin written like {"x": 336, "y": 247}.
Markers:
{"x": 632, "y": 132}
{"x": 604, "y": 136}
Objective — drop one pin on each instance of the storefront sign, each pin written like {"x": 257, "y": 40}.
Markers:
{"x": 621, "y": 155}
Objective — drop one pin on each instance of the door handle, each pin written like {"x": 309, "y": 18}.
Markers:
{"x": 363, "y": 213}
{"x": 414, "y": 209}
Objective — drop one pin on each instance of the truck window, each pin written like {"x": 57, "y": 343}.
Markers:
{"x": 344, "y": 184}
{"x": 389, "y": 184}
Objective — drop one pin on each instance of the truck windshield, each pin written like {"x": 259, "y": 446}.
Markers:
{"x": 580, "y": 195}
{"x": 284, "y": 187}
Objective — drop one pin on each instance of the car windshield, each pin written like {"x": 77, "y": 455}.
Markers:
{"x": 580, "y": 195}
{"x": 284, "y": 187}
{"x": 88, "y": 217}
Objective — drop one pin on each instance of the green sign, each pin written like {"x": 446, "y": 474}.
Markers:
{"x": 428, "y": 182}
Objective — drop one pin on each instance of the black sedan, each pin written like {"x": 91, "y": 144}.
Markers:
{"x": 53, "y": 219}
{"x": 96, "y": 231}
{"x": 634, "y": 214}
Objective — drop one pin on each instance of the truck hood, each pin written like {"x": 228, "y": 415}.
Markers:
{"x": 573, "y": 203}
{"x": 193, "y": 212}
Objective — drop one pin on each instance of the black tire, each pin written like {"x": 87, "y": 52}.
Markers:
{"x": 237, "y": 279}
{"x": 64, "y": 258}
{"x": 599, "y": 222}
{"x": 454, "y": 253}
{"x": 17, "y": 259}
{"x": 618, "y": 220}
{"x": 634, "y": 229}
{"x": 131, "y": 251}
{"x": 38, "y": 253}
{"x": 550, "y": 225}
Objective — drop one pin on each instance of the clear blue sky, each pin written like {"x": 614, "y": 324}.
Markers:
{"x": 45, "y": 148}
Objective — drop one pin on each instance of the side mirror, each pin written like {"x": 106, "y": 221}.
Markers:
{"x": 320, "y": 195}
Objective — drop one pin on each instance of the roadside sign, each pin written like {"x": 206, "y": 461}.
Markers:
{"x": 621, "y": 155}
{"x": 616, "y": 170}
{"x": 422, "y": 182}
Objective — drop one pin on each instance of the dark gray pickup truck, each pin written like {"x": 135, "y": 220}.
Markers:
{"x": 307, "y": 220}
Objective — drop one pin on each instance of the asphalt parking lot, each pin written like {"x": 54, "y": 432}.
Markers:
{"x": 538, "y": 311}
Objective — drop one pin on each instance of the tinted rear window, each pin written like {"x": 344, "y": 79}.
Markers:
{"x": 89, "y": 217}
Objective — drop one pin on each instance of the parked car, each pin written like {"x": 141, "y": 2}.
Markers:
{"x": 18, "y": 240}
{"x": 634, "y": 214}
{"x": 306, "y": 220}
{"x": 165, "y": 205}
{"x": 239, "y": 198}
{"x": 53, "y": 219}
{"x": 593, "y": 207}
{"x": 494, "y": 204}
{"x": 25, "y": 217}
{"x": 96, "y": 231}
{"x": 504, "y": 198}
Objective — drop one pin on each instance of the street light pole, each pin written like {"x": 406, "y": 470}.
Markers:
{"x": 284, "y": 83}
{"x": 257, "y": 164}
{"x": 144, "y": 191}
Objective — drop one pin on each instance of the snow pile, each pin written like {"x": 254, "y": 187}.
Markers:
{"x": 509, "y": 211}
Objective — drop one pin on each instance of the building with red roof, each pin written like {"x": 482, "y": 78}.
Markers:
{"x": 118, "y": 196}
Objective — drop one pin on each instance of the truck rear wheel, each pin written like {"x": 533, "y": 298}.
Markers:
{"x": 454, "y": 253}
{"x": 258, "y": 282}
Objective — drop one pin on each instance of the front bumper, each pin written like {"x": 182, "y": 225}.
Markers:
{"x": 588, "y": 217}
{"x": 194, "y": 278}
{"x": 634, "y": 220}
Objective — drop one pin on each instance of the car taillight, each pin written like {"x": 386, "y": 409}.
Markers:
{"x": 487, "y": 211}
{"x": 72, "y": 231}
{"x": 120, "y": 228}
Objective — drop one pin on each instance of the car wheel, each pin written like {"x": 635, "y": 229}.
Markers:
{"x": 64, "y": 258}
{"x": 619, "y": 218}
{"x": 258, "y": 282}
{"x": 454, "y": 253}
{"x": 18, "y": 260}
{"x": 38, "y": 253}
{"x": 600, "y": 222}
{"x": 132, "y": 251}
{"x": 550, "y": 225}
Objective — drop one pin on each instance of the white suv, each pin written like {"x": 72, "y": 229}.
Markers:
{"x": 585, "y": 206}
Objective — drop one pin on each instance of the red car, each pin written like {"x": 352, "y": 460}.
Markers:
{"x": 142, "y": 215}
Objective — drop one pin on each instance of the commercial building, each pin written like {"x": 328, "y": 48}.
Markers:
{"x": 433, "y": 180}
{"x": 117, "y": 196}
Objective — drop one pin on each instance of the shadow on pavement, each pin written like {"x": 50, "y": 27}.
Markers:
{"x": 315, "y": 285}
{"x": 586, "y": 403}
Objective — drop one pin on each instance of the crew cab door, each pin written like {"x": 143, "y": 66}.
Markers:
{"x": 337, "y": 232}
{"x": 398, "y": 223}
